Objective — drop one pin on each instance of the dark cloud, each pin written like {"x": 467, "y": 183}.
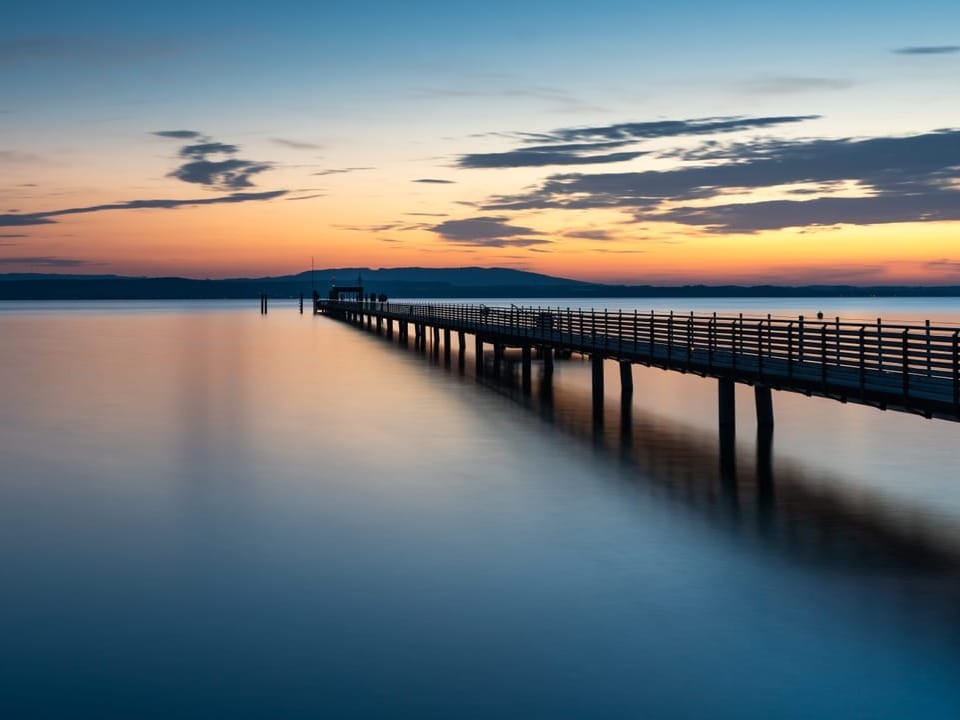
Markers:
{"x": 201, "y": 150}
{"x": 225, "y": 174}
{"x": 178, "y": 134}
{"x": 487, "y": 231}
{"x": 906, "y": 179}
{"x": 426, "y": 214}
{"x": 787, "y": 85}
{"x": 665, "y": 128}
{"x": 43, "y": 261}
{"x": 43, "y": 218}
{"x": 582, "y": 146}
{"x": 13, "y": 235}
{"x": 589, "y": 234}
{"x": 231, "y": 174}
{"x": 307, "y": 197}
{"x": 340, "y": 171}
{"x": 540, "y": 158}
{"x": 295, "y": 144}
{"x": 928, "y": 50}
{"x": 434, "y": 181}
{"x": 824, "y": 211}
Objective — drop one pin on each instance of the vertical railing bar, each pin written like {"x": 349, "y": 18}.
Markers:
{"x": 906, "y": 363}
{"x": 863, "y": 360}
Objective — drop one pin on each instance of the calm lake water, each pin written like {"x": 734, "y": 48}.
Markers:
{"x": 208, "y": 513}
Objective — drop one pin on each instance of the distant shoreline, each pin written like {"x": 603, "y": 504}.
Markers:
{"x": 446, "y": 283}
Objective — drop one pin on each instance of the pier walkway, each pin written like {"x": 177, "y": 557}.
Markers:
{"x": 909, "y": 368}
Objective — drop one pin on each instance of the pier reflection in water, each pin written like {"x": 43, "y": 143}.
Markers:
{"x": 807, "y": 515}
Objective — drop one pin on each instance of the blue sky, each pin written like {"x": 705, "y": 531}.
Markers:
{"x": 406, "y": 90}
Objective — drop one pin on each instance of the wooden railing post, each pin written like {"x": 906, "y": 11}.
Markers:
{"x": 905, "y": 368}
{"x": 800, "y": 339}
{"x": 928, "y": 349}
{"x": 956, "y": 370}
{"x": 760, "y": 348}
{"x": 790, "y": 349}
{"x": 733, "y": 343}
{"x": 823, "y": 355}
{"x": 879, "y": 346}
{"x": 711, "y": 339}
{"x": 670, "y": 338}
{"x": 650, "y": 348}
{"x": 620, "y": 332}
{"x": 863, "y": 359}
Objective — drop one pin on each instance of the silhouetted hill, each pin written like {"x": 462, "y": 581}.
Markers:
{"x": 413, "y": 282}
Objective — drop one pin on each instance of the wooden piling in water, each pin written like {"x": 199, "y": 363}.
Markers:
{"x": 526, "y": 374}
{"x": 764, "y": 402}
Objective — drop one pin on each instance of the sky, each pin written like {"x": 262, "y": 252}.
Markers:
{"x": 627, "y": 142}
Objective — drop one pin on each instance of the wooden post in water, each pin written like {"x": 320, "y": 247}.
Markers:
{"x": 479, "y": 355}
{"x": 525, "y": 369}
{"x": 547, "y": 353}
{"x": 596, "y": 362}
{"x": 626, "y": 379}
{"x": 497, "y": 358}
{"x": 764, "y": 401}
{"x": 462, "y": 340}
{"x": 301, "y": 303}
{"x": 446, "y": 344}
{"x": 728, "y": 428}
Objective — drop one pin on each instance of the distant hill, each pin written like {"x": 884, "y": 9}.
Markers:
{"x": 412, "y": 282}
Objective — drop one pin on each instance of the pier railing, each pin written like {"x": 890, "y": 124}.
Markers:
{"x": 920, "y": 361}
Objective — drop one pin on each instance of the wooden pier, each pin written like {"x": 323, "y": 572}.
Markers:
{"x": 908, "y": 368}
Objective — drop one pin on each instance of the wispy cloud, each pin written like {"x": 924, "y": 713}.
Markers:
{"x": 928, "y": 50}
{"x": 558, "y": 99}
{"x": 296, "y": 144}
{"x": 789, "y": 85}
{"x": 340, "y": 171}
{"x": 178, "y": 134}
{"x": 487, "y": 231}
{"x": 15, "y": 157}
{"x": 434, "y": 181}
{"x": 82, "y": 49}
{"x": 43, "y": 261}
{"x": 589, "y": 234}
{"x": 592, "y": 145}
{"x": 44, "y": 218}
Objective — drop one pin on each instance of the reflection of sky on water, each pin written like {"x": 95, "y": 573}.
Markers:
{"x": 216, "y": 513}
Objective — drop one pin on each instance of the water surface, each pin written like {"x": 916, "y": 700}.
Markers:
{"x": 209, "y": 513}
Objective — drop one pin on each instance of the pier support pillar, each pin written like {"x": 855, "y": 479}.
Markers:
{"x": 389, "y": 328}
{"x": 446, "y": 345}
{"x": 596, "y": 362}
{"x": 436, "y": 336}
{"x": 547, "y": 354}
{"x": 462, "y": 339}
{"x": 479, "y": 355}
{"x": 525, "y": 369}
{"x": 764, "y": 400}
{"x": 497, "y": 358}
{"x": 728, "y": 428}
{"x": 626, "y": 378}
{"x": 379, "y": 324}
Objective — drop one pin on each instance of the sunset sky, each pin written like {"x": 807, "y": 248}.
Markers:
{"x": 749, "y": 142}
